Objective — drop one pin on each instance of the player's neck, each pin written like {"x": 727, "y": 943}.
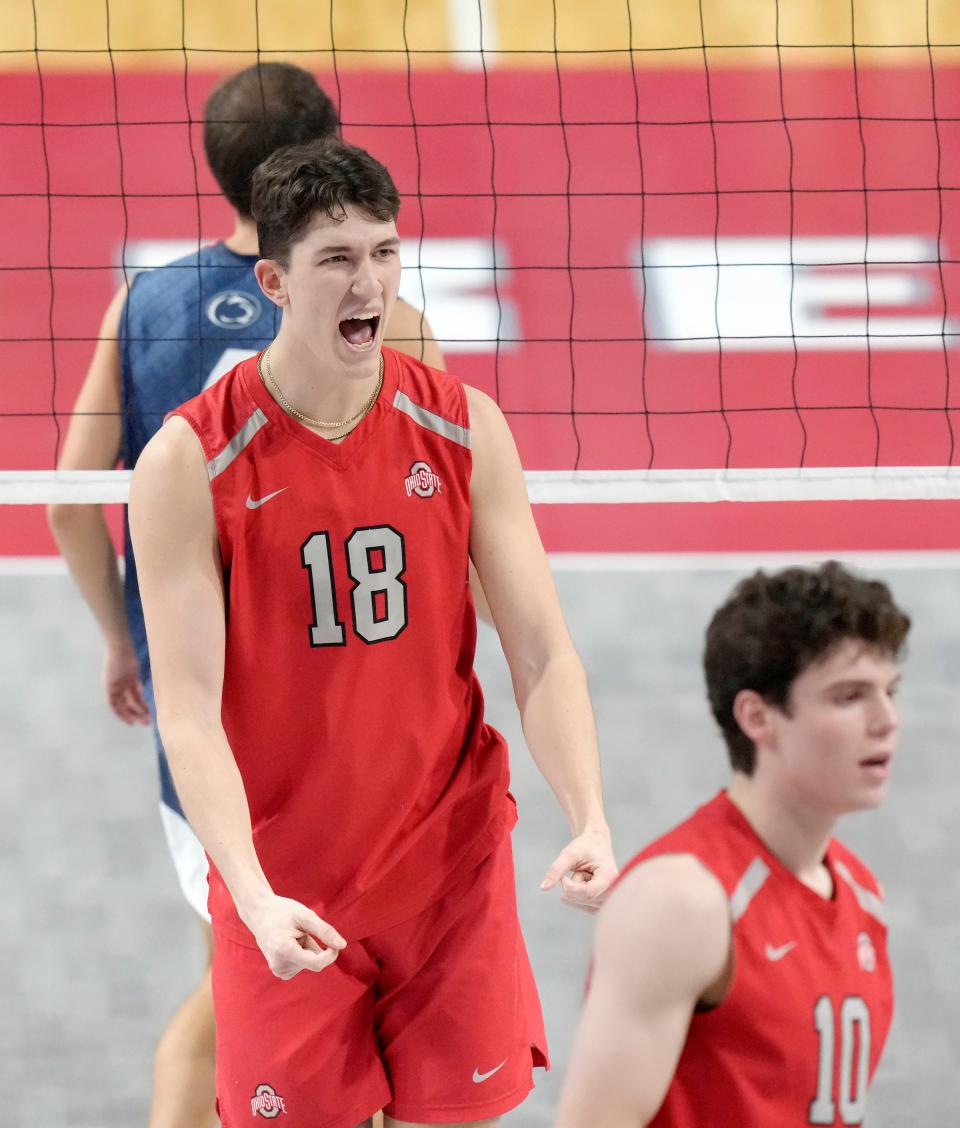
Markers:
{"x": 328, "y": 394}
{"x": 797, "y": 835}
{"x": 243, "y": 239}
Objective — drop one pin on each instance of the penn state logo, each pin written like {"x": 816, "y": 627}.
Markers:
{"x": 267, "y": 1103}
{"x": 422, "y": 481}
{"x": 231, "y": 309}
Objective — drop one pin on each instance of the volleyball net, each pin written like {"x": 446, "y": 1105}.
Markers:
{"x": 703, "y": 255}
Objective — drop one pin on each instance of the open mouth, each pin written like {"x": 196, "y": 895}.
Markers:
{"x": 878, "y": 764}
{"x": 360, "y": 332}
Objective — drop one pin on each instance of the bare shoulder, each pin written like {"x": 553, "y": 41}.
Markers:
{"x": 480, "y": 402}
{"x": 110, "y": 326}
{"x": 171, "y": 471}
{"x": 172, "y": 521}
{"x": 675, "y": 912}
{"x": 404, "y": 316}
{"x": 486, "y": 418}
{"x": 173, "y": 449}
{"x": 409, "y": 332}
{"x": 110, "y": 322}
{"x": 678, "y": 884}
{"x": 496, "y": 462}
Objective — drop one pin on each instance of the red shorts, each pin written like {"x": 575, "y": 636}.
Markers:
{"x": 436, "y": 1020}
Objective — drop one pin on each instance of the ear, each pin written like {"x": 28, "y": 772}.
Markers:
{"x": 271, "y": 278}
{"x": 754, "y": 716}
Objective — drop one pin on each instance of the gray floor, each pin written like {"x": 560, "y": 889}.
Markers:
{"x": 97, "y": 948}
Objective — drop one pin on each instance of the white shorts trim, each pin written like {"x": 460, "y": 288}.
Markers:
{"x": 189, "y": 859}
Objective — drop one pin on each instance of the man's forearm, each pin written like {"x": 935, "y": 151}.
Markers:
{"x": 560, "y": 733}
{"x": 215, "y": 803}
{"x": 84, "y": 540}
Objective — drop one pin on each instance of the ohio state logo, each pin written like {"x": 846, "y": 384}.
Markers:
{"x": 866, "y": 953}
{"x": 267, "y": 1103}
{"x": 422, "y": 481}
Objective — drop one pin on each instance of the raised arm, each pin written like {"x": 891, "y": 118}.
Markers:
{"x": 93, "y": 443}
{"x": 662, "y": 945}
{"x": 549, "y": 681}
{"x": 181, "y": 584}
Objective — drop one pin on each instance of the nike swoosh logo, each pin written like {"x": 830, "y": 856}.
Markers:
{"x": 478, "y": 1076}
{"x": 251, "y": 504}
{"x": 775, "y": 954}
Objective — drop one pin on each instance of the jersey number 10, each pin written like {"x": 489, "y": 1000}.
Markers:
{"x": 378, "y": 600}
{"x": 854, "y": 1061}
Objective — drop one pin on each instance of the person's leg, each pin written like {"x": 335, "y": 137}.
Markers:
{"x": 302, "y": 1050}
{"x": 184, "y": 1064}
{"x": 184, "y": 1085}
{"x": 458, "y": 1018}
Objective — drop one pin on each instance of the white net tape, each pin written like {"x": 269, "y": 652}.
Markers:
{"x": 598, "y": 487}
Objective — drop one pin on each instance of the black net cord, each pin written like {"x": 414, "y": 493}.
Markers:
{"x": 49, "y": 264}
{"x": 947, "y": 371}
{"x": 494, "y": 209}
{"x": 571, "y": 352}
{"x": 642, "y": 196}
{"x": 795, "y": 365}
{"x": 715, "y": 152}
{"x": 419, "y": 190}
{"x": 866, "y": 231}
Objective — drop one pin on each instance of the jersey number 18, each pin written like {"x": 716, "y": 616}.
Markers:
{"x": 375, "y": 562}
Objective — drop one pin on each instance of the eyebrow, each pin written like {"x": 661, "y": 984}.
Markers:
{"x": 859, "y": 683}
{"x": 392, "y": 241}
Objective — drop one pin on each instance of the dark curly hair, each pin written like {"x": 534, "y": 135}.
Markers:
{"x": 774, "y": 626}
{"x": 297, "y": 182}
{"x": 255, "y": 112}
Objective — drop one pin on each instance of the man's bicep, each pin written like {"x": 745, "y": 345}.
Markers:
{"x": 505, "y": 545}
{"x": 625, "y": 1054}
{"x": 178, "y": 569}
{"x": 662, "y": 942}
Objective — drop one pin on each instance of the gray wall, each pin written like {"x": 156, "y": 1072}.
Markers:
{"x": 97, "y": 947}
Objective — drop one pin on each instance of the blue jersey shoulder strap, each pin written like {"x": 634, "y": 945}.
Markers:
{"x": 182, "y": 327}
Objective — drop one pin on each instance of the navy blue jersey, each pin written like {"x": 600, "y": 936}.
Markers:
{"x": 182, "y": 327}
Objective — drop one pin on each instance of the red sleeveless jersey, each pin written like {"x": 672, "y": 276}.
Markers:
{"x": 349, "y": 696}
{"x": 798, "y": 1038}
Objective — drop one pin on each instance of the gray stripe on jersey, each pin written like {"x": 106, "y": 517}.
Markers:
{"x": 240, "y": 440}
{"x": 866, "y": 898}
{"x": 435, "y": 423}
{"x": 748, "y": 887}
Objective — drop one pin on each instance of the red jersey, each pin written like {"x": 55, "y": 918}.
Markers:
{"x": 349, "y": 697}
{"x": 797, "y": 1039}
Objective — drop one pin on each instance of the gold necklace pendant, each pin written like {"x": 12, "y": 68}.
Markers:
{"x": 263, "y": 367}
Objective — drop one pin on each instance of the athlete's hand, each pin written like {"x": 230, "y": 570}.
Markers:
{"x": 584, "y": 869}
{"x": 292, "y": 937}
{"x": 121, "y": 680}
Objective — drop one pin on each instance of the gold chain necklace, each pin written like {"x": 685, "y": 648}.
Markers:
{"x": 264, "y": 368}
